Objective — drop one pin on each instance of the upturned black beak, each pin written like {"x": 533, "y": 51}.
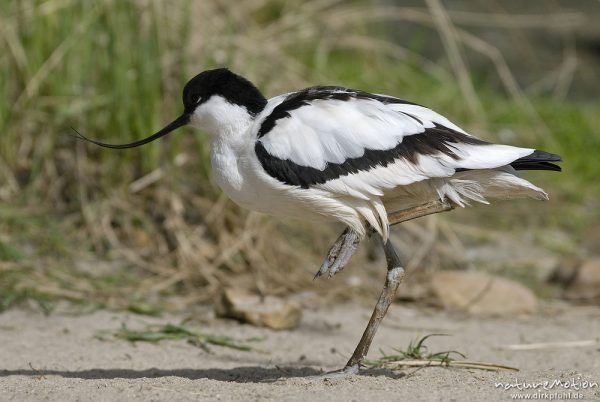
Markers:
{"x": 180, "y": 121}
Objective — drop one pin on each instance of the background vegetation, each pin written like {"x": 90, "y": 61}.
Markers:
{"x": 148, "y": 227}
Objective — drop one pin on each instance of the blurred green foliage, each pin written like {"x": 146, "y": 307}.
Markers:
{"x": 114, "y": 69}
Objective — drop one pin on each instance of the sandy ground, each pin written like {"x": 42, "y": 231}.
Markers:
{"x": 60, "y": 358}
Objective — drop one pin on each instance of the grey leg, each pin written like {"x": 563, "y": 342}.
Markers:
{"x": 394, "y": 276}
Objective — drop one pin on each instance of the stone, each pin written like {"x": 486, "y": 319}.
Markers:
{"x": 565, "y": 272}
{"x": 479, "y": 293}
{"x": 270, "y": 311}
{"x": 585, "y": 285}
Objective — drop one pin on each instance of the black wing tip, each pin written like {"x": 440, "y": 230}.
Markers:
{"x": 538, "y": 160}
{"x": 537, "y": 166}
{"x": 552, "y": 166}
{"x": 542, "y": 156}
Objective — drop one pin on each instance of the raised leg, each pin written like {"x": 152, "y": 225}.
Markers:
{"x": 347, "y": 243}
{"x": 394, "y": 276}
{"x": 339, "y": 254}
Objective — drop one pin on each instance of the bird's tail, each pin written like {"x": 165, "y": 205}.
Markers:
{"x": 538, "y": 160}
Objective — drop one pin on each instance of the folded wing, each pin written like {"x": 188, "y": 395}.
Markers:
{"x": 359, "y": 144}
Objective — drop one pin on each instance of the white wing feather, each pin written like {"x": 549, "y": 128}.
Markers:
{"x": 332, "y": 131}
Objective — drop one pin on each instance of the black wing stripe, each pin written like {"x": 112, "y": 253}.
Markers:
{"x": 434, "y": 140}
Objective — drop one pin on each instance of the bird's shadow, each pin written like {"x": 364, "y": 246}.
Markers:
{"x": 246, "y": 374}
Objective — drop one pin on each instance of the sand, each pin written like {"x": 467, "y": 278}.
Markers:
{"x": 60, "y": 358}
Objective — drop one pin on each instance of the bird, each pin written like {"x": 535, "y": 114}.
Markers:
{"x": 331, "y": 153}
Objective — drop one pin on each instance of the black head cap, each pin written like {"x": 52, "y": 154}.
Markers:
{"x": 230, "y": 86}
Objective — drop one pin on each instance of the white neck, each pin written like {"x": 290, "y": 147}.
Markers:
{"x": 227, "y": 127}
{"x": 220, "y": 118}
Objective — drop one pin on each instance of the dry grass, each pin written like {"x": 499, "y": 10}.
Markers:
{"x": 416, "y": 354}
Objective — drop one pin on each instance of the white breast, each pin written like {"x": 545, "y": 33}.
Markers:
{"x": 227, "y": 171}
{"x": 238, "y": 173}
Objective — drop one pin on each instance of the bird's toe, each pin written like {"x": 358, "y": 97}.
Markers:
{"x": 346, "y": 372}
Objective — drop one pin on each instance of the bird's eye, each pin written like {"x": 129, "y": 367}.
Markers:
{"x": 192, "y": 100}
